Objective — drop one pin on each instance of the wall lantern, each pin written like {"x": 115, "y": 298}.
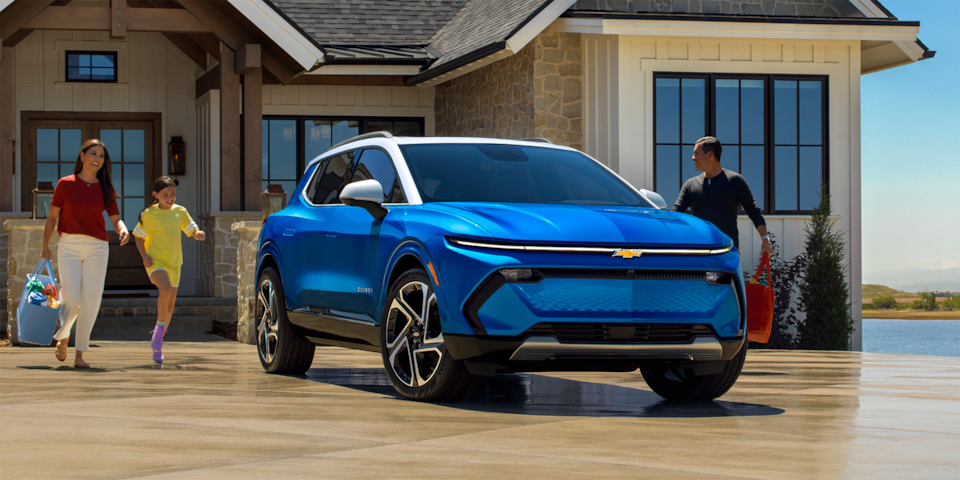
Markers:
{"x": 42, "y": 197}
{"x": 274, "y": 199}
{"x": 177, "y": 156}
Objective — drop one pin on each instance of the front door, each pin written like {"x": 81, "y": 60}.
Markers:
{"x": 50, "y": 152}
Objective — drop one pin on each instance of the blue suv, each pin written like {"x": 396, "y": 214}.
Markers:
{"x": 456, "y": 258}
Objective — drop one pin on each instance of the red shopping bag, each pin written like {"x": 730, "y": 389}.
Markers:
{"x": 760, "y": 305}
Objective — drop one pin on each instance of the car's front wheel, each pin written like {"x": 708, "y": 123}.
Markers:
{"x": 676, "y": 383}
{"x": 281, "y": 349}
{"x": 412, "y": 344}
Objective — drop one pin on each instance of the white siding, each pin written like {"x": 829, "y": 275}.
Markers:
{"x": 626, "y": 116}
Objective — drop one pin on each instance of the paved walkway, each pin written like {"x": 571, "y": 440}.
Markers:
{"x": 211, "y": 412}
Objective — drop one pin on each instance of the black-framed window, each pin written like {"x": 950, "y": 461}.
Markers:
{"x": 290, "y": 142}
{"x": 772, "y": 127}
{"x": 98, "y": 67}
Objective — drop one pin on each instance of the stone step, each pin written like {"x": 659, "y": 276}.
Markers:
{"x": 219, "y": 309}
{"x": 136, "y": 324}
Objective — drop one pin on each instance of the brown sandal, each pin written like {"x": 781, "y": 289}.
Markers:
{"x": 61, "y": 354}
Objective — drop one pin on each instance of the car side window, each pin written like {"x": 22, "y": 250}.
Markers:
{"x": 311, "y": 190}
{"x": 333, "y": 179}
{"x": 374, "y": 164}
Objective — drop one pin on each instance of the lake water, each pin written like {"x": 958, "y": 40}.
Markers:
{"x": 920, "y": 337}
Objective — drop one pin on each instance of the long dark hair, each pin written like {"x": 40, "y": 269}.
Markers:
{"x": 103, "y": 175}
{"x": 159, "y": 184}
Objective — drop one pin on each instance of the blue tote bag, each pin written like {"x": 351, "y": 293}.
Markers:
{"x": 35, "y": 323}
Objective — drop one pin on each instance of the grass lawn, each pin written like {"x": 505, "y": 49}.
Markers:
{"x": 913, "y": 314}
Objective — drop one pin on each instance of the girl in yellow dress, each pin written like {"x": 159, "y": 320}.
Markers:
{"x": 158, "y": 239}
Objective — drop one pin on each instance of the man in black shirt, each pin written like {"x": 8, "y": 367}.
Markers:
{"x": 717, "y": 194}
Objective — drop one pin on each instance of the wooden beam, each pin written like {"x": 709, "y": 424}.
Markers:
{"x": 208, "y": 42}
{"x": 15, "y": 16}
{"x": 189, "y": 48}
{"x": 253, "y": 139}
{"x": 98, "y": 18}
{"x": 7, "y": 138}
{"x": 118, "y": 21}
{"x": 234, "y": 37}
{"x": 209, "y": 81}
{"x": 231, "y": 167}
{"x": 248, "y": 59}
{"x": 369, "y": 80}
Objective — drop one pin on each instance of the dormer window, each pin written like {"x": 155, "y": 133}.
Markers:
{"x": 98, "y": 67}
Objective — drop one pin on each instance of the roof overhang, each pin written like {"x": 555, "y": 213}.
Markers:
{"x": 282, "y": 31}
{"x": 885, "y": 43}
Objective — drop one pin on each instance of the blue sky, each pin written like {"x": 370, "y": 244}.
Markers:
{"x": 910, "y": 137}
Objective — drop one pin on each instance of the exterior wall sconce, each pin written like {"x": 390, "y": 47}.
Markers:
{"x": 177, "y": 156}
{"x": 274, "y": 199}
{"x": 42, "y": 197}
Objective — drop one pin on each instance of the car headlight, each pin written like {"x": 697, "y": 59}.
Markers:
{"x": 719, "y": 278}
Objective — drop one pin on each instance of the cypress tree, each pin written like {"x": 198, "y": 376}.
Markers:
{"x": 823, "y": 289}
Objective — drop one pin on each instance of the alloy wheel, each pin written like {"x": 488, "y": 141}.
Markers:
{"x": 414, "y": 340}
{"x": 268, "y": 323}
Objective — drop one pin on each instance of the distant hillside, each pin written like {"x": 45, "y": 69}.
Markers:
{"x": 916, "y": 279}
{"x": 874, "y": 291}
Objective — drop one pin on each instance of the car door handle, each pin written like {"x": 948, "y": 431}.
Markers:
{"x": 331, "y": 233}
{"x": 288, "y": 232}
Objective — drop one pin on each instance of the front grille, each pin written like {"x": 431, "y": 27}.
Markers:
{"x": 619, "y": 333}
{"x": 626, "y": 274}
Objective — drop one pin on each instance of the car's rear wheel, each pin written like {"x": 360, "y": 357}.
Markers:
{"x": 280, "y": 349}
{"x": 411, "y": 340}
{"x": 676, "y": 383}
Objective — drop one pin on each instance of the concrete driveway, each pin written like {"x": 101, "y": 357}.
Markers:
{"x": 211, "y": 412}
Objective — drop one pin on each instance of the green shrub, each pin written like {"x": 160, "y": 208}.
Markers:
{"x": 918, "y": 305}
{"x": 823, "y": 288}
{"x": 929, "y": 301}
{"x": 951, "y": 303}
{"x": 885, "y": 302}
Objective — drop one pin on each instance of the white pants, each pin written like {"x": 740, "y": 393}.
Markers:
{"x": 83, "y": 269}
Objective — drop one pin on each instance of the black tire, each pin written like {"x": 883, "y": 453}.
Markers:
{"x": 675, "y": 383}
{"x": 411, "y": 340}
{"x": 280, "y": 349}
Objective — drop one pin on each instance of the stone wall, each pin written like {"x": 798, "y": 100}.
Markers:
{"x": 220, "y": 252}
{"x": 24, "y": 240}
{"x": 4, "y": 242}
{"x": 534, "y": 93}
{"x": 248, "y": 239}
{"x": 790, "y": 8}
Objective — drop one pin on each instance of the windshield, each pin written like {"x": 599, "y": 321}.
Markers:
{"x": 513, "y": 174}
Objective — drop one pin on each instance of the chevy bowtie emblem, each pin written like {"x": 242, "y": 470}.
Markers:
{"x": 627, "y": 253}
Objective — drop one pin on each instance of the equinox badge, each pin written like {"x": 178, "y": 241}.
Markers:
{"x": 625, "y": 253}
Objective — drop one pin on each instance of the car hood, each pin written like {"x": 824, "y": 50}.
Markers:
{"x": 587, "y": 224}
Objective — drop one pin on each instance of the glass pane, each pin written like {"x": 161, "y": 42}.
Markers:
{"x": 131, "y": 211}
{"x": 109, "y": 225}
{"x": 73, "y": 73}
{"x": 376, "y": 165}
{"x": 316, "y": 139}
{"x": 111, "y": 139}
{"x": 728, "y": 111}
{"x": 668, "y": 173}
{"x": 47, "y": 145}
{"x": 751, "y": 168}
{"x": 686, "y": 164}
{"x": 785, "y": 113}
{"x": 811, "y": 176}
{"x": 668, "y": 110}
{"x": 67, "y": 169}
{"x": 380, "y": 125}
{"x": 102, "y": 61}
{"x": 786, "y": 181}
{"x": 48, "y": 172}
{"x": 265, "y": 146}
{"x": 283, "y": 150}
{"x": 116, "y": 174}
{"x": 133, "y": 180}
{"x": 73, "y": 60}
{"x": 334, "y": 177}
{"x": 345, "y": 129}
{"x": 84, "y": 60}
{"x": 811, "y": 107}
{"x": 102, "y": 74}
{"x": 730, "y": 158}
{"x": 70, "y": 143}
{"x": 751, "y": 111}
{"x": 133, "y": 146}
{"x": 407, "y": 129}
{"x": 694, "y": 116}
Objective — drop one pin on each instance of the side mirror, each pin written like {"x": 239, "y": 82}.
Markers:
{"x": 366, "y": 194}
{"x": 654, "y": 198}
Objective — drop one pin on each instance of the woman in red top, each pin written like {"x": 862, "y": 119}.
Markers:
{"x": 77, "y": 214}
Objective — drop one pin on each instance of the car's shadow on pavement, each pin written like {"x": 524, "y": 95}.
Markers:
{"x": 531, "y": 394}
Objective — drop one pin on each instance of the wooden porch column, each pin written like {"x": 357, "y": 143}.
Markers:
{"x": 7, "y": 144}
{"x": 248, "y": 64}
{"x": 231, "y": 167}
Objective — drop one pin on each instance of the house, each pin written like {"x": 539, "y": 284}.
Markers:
{"x": 256, "y": 88}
